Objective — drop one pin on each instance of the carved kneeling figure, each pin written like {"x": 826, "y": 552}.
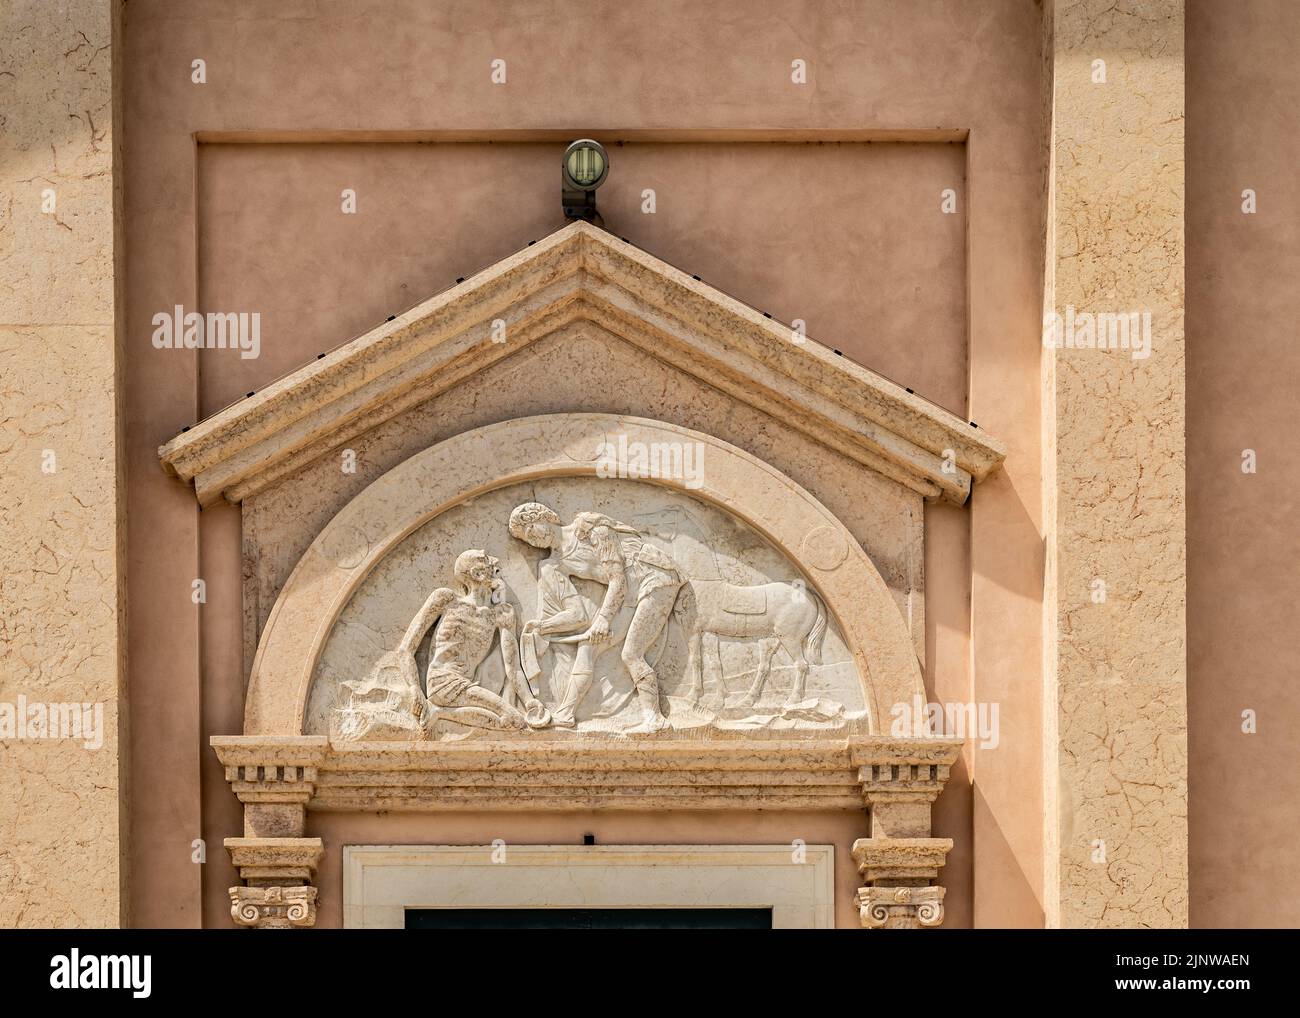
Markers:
{"x": 468, "y": 620}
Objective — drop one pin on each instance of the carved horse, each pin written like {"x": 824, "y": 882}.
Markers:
{"x": 784, "y": 615}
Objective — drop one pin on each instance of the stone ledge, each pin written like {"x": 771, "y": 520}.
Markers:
{"x": 275, "y": 860}
{"x": 911, "y": 861}
{"x": 648, "y": 774}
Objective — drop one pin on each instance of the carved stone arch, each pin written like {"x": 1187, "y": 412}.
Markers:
{"x": 479, "y": 461}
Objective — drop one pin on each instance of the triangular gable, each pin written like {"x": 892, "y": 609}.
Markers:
{"x": 581, "y": 273}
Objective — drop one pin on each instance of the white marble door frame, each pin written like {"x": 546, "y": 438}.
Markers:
{"x": 381, "y": 881}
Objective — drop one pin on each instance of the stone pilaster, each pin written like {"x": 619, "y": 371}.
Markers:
{"x": 900, "y": 862}
{"x": 274, "y": 779}
{"x": 1114, "y": 468}
{"x": 900, "y": 786}
{"x": 62, "y": 681}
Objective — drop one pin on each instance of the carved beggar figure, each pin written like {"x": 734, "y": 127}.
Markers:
{"x": 468, "y": 619}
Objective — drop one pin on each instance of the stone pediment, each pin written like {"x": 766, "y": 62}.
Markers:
{"x": 581, "y": 273}
{"x": 501, "y": 621}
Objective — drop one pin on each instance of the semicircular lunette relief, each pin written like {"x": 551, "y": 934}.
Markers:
{"x": 582, "y": 607}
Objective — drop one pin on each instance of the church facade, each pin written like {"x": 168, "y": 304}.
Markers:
{"x": 848, "y": 496}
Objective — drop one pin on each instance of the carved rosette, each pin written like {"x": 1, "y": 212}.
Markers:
{"x": 900, "y": 908}
{"x": 273, "y": 908}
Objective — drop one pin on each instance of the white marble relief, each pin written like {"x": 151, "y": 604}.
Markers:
{"x": 577, "y": 607}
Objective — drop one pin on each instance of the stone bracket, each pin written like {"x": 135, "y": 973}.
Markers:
{"x": 898, "y": 873}
{"x": 278, "y": 873}
{"x": 900, "y": 862}
{"x": 900, "y": 784}
{"x": 274, "y": 778}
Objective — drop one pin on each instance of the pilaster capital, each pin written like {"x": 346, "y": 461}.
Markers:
{"x": 273, "y": 908}
{"x": 278, "y": 872}
{"x": 905, "y": 770}
{"x": 900, "y": 907}
{"x": 898, "y": 873}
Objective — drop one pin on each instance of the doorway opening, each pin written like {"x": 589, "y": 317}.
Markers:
{"x": 588, "y": 919}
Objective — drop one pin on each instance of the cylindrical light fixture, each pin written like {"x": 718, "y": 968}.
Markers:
{"x": 584, "y": 168}
{"x": 585, "y": 165}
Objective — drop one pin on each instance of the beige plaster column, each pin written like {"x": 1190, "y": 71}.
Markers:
{"x": 61, "y": 581}
{"x": 1115, "y": 720}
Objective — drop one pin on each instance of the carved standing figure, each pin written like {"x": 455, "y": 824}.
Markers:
{"x": 614, "y": 555}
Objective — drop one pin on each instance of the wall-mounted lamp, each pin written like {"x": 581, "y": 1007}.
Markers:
{"x": 584, "y": 169}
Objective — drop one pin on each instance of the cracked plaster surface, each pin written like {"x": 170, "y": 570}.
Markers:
{"x": 60, "y": 581}
{"x": 1119, "y": 667}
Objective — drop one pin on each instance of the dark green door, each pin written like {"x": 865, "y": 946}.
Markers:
{"x": 588, "y": 918}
